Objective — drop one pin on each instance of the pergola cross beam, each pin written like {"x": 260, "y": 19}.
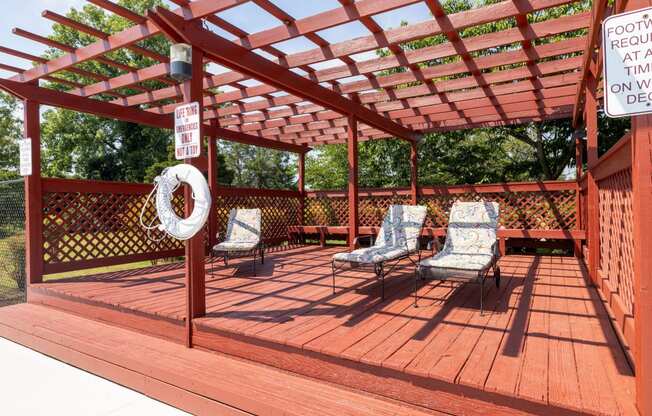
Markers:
{"x": 244, "y": 61}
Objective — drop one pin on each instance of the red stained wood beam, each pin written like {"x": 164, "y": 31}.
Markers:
{"x": 461, "y": 124}
{"x": 598, "y": 11}
{"x": 119, "y": 10}
{"x": 65, "y": 21}
{"x": 62, "y": 46}
{"x": 352, "y": 150}
{"x": 100, "y": 108}
{"x": 271, "y": 128}
{"x": 197, "y": 9}
{"x": 424, "y": 54}
{"x": 500, "y": 59}
{"x": 85, "y": 105}
{"x": 244, "y": 61}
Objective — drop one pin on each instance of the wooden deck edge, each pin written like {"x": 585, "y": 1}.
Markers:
{"x": 621, "y": 322}
{"x": 142, "y": 383}
{"x": 139, "y": 321}
{"x": 437, "y": 395}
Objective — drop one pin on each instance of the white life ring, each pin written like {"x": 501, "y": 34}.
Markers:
{"x": 166, "y": 184}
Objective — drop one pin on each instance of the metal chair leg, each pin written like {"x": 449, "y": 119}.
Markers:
{"x": 497, "y": 276}
{"x": 262, "y": 254}
{"x": 416, "y": 286}
{"x": 255, "y": 263}
{"x": 380, "y": 275}
{"x": 333, "y": 269}
{"x": 482, "y": 297}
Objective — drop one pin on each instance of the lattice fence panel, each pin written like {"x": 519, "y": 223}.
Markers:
{"x": 278, "y": 213}
{"x": 325, "y": 210}
{"x": 616, "y": 235}
{"x": 541, "y": 210}
{"x": 545, "y": 210}
{"x": 87, "y": 226}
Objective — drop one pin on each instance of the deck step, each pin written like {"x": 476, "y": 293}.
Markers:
{"x": 200, "y": 382}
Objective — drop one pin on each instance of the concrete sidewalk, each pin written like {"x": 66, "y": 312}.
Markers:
{"x": 34, "y": 384}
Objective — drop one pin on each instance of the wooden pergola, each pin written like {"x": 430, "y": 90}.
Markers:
{"x": 337, "y": 92}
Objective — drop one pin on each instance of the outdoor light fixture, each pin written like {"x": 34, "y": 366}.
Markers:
{"x": 181, "y": 61}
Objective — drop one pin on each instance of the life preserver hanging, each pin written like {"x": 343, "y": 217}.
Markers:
{"x": 165, "y": 186}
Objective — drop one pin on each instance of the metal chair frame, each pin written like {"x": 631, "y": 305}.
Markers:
{"x": 259, "y": 248}
{"x": 481, "y": 277}
{"x": 379, "y": 268}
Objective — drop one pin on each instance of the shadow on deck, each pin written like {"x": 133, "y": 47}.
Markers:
{"x": 544, "y": 344}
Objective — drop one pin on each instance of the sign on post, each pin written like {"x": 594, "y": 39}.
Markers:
{"x": 25, "y": 149}
{"x": 187, "y": 140}
{"x": 627, "y": 48}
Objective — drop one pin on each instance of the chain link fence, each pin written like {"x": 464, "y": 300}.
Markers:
{"x": 12, "y": 242}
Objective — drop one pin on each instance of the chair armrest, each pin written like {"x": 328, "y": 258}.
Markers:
{"x": 495, "y": 249}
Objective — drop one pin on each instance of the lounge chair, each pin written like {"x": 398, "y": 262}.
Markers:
{"x": 243, "y": 237}
{"x": 397, "y": 239}
{"x": 470, "y": 250}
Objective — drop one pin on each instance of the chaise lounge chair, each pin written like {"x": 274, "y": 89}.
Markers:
{"x": 243, "y": 236}
{"x": 397, "y": 239}
{"x": 470, "y": 250}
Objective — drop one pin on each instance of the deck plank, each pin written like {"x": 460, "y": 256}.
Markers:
{"x": 236, "y": 387}
{"x": 544, "y": 339}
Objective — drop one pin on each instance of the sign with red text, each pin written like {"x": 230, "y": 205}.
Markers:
{"x": 25, "y": 150}
{"x": 187, "y": 140}
{"x": 627, "y": 48}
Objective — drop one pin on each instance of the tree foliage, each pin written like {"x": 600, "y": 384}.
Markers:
{"x": 10, "y": 132}
{"x": 258, "y": 167}
{"x": 82, "y": 145}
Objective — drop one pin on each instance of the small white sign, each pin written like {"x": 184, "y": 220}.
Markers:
{"x": 187, "y": 141}
{"x": 25, "y": 147}
{"x": 627, "y": 48}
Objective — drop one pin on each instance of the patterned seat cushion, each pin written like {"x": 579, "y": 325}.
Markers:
{"x": 450, "y": 265}
{"x": 470, "y": 242}
{"x": 371, "y": 255}
{"x": 235, "y": 246}
{"x": 242, "y": 232}
{"x": 397, "y": 237}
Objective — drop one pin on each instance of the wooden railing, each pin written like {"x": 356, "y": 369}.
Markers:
{"x": 94, "y": 223}
{"x": 615, "y": 244}
{"x": 527, "y": 210}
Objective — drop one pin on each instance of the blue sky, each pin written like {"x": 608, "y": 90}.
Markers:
{"x": 247, "y": 16}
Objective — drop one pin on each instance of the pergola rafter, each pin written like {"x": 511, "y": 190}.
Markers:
{"x": 520, "y": 73}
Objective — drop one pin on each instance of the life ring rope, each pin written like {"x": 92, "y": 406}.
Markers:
{"x": 164, "y": 187}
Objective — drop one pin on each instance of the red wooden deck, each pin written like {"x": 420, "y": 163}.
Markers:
{"x": 545, "y": 343}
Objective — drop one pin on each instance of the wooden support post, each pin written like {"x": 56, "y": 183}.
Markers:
{"x": 301, "y": 185}
{"x": 33, "y": 196}
{"x": 577, "y": 244}
{"x": 414, "y": 178}
{"x": 642, "y": 201}
{"x": 593, "y": 200}
{"x": 352, "y": 143}
{"x": 195, "y": 273}
{"x": 212, "y": 184}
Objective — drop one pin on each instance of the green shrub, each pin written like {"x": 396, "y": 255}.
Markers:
{"x": 12, "y": 260}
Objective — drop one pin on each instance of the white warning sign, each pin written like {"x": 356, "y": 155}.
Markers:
{"x": 627, "y": 48}
{"x": 187, "y": 139}
{"x": 25, "y": 150}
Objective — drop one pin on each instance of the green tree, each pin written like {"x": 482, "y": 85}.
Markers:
{"x": 83, "y": 145}
{"x": 10, "y": 133}
{"x": 258, "y": 167}
{"x": 224, "y": 174}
